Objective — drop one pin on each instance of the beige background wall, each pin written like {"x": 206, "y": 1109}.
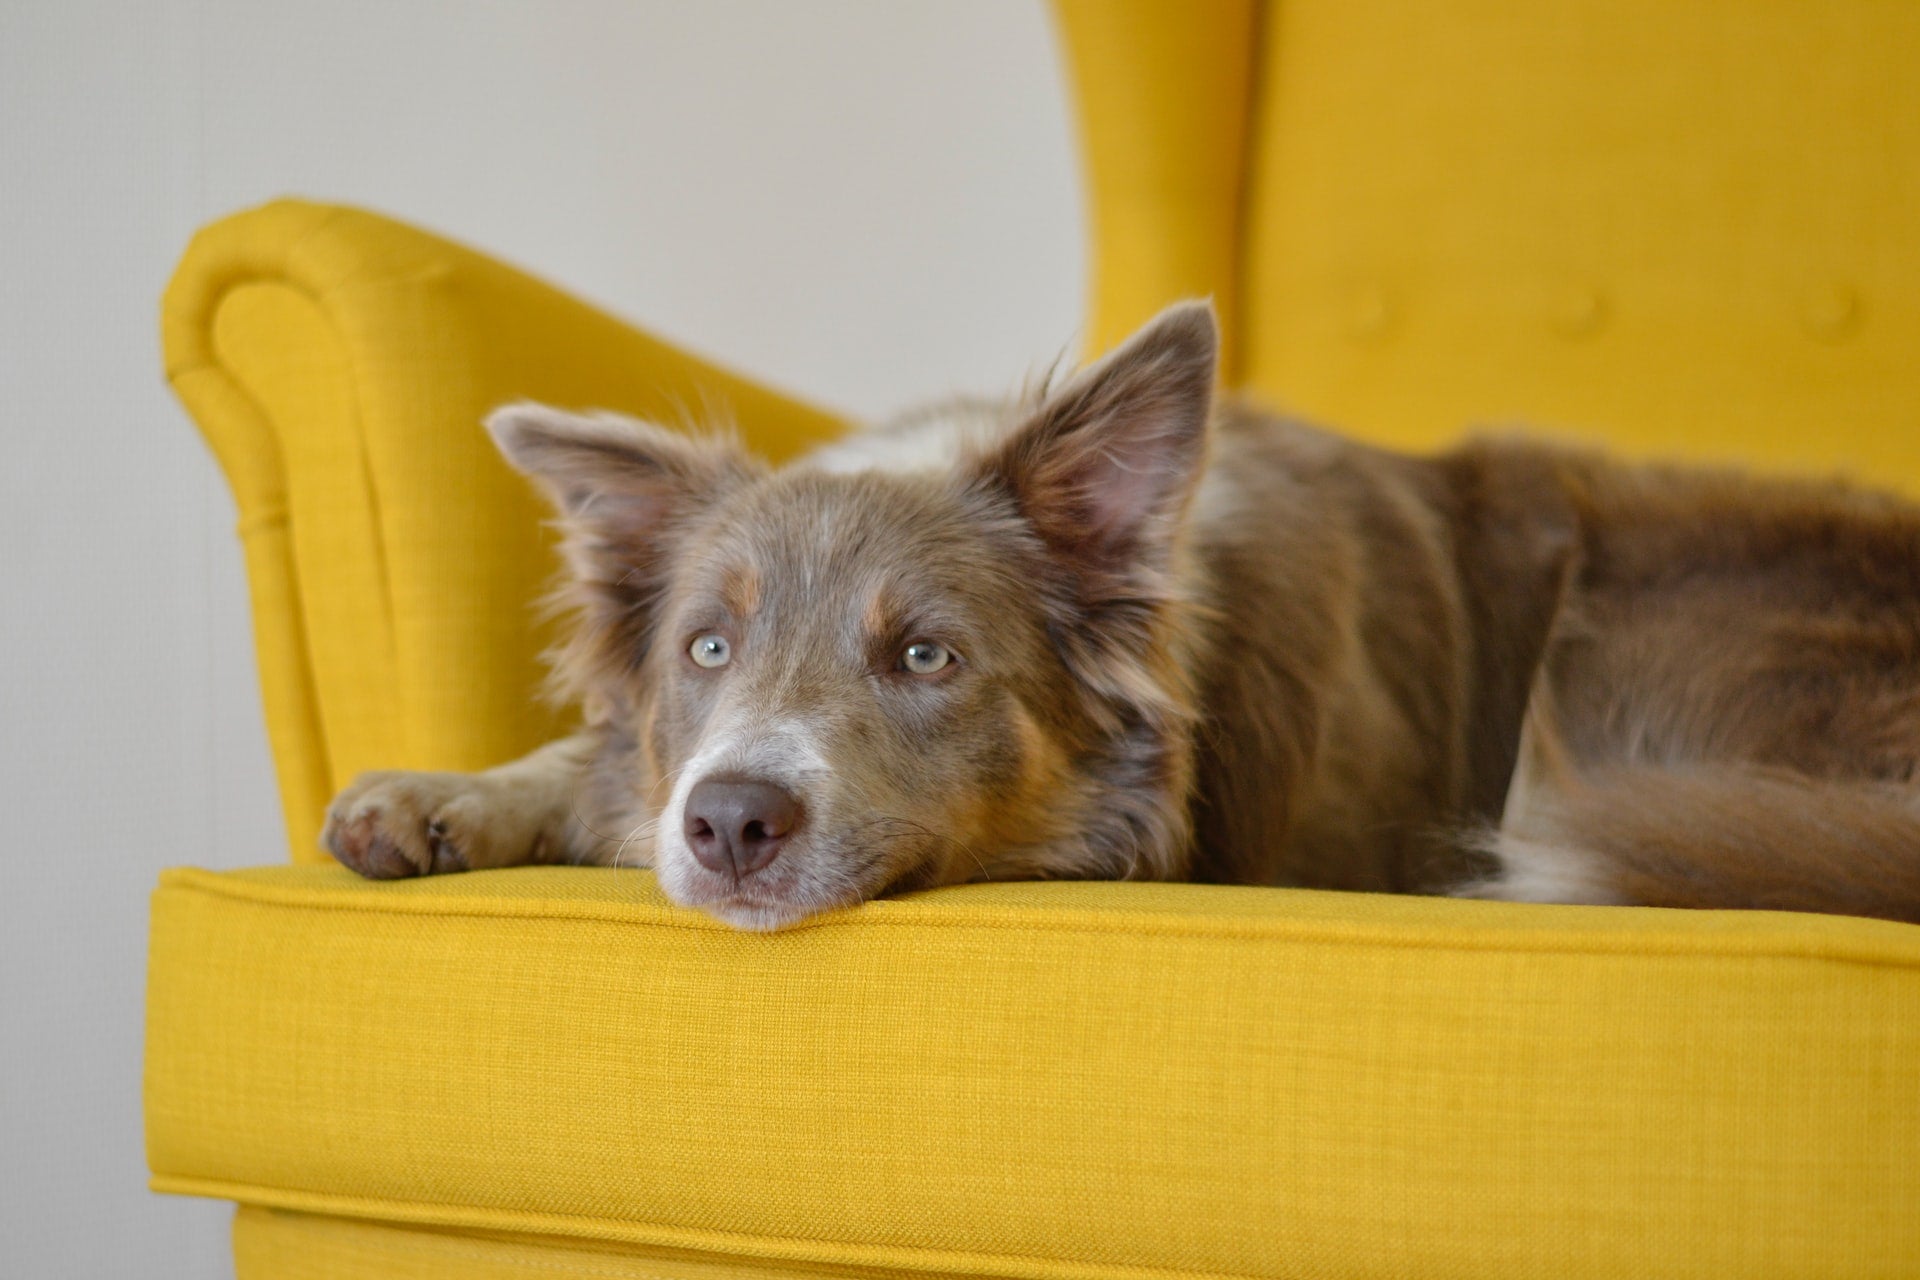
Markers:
{"x": 869, "y": 201}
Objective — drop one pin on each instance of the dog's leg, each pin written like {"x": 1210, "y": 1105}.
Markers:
{"x": 396, "y": 823}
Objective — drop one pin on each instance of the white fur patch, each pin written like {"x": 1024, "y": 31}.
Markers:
{"x": 931, "y": 442}
{"x": 1541, "y": 871}
{"x": 785, "y": 753}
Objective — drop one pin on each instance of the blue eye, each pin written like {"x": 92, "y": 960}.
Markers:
{"x": 710, "y": 651}
{"x": 923, "y": 657}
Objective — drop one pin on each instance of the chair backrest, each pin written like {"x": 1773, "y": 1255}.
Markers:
{"x": 1679, "y": 228}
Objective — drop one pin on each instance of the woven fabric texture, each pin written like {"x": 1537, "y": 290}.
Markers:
{"x": 1049, "y": 1080}
{"x": 278, "y": 1244}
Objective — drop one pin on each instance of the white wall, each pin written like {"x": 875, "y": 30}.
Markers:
{"x": 866, "y": 200}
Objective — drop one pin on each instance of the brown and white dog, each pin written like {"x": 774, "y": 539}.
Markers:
{"x": 1113, "y": 632}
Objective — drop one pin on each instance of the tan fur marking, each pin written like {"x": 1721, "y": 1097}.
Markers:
{"x": 740, "y": 590}
{"x": 878, "y": 618}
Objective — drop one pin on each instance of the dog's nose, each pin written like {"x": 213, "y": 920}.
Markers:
{"x": 739, "y": 825}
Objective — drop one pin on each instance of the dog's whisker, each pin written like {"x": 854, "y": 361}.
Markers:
{"x": 644, "y": 830}
{"x": 573, "y": 805}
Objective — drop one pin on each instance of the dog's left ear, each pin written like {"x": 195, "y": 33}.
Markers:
{"x": 1104, "y": 468}
{"x": 630, "y": 477}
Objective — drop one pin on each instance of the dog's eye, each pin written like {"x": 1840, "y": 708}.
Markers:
{"x": 923, "y": 657}
{"x": 710, "y": 651}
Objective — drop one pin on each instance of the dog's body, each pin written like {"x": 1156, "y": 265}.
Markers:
{"x": 1100, "y": 637}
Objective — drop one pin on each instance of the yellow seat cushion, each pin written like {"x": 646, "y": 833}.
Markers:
{"x": 1047, "y": 1079}
{"x": 280, "y": 1244}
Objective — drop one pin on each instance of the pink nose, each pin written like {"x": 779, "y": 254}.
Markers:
{"x": 738, "y": 826}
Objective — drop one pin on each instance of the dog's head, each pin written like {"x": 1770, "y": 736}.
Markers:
{"x": 838, "y": 685}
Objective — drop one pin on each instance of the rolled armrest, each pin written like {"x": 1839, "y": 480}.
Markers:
{"x": 339, "y": 364}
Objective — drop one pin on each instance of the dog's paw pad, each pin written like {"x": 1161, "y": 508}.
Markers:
{"x": 370, "y": 840}
{"x": 389, "y": 826}
{"x": 387, "y": 857}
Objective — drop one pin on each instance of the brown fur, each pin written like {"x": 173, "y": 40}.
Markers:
{"x": 1215, "y": 645}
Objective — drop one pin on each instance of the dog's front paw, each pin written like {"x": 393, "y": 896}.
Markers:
{"x": 391, "y": 824}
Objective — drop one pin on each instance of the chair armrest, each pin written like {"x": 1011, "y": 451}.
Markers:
{"x": 339, "y": 364}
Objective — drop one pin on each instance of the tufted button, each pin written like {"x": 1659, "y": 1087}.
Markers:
{"x": 1368, "y": 314}
{"x": 1829, "y": 311}
{"x": 1578, "y": 311}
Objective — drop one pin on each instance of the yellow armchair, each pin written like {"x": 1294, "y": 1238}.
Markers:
{"x": 1672, "y": 226}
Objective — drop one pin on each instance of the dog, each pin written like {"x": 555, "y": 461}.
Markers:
{"x": 1116, "y": 630}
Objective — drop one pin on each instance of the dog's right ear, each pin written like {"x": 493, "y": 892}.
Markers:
{"x": 1104, "y": 467}
{"x": 624, "y": 488}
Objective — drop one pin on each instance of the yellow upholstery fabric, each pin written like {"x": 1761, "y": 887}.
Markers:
{"x": 1165, "y": 94}
{"x": 1048, "y": 1080}
{"x": 1682, "y": 228}
{"x": 340, "y": 364}
{"x": 274, "y": 1244}
{"x": 1679, "y": 229}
